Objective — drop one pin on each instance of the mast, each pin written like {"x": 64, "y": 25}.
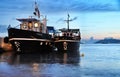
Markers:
{"x": 68, "y": 21}
{"x": 37, "y": 12}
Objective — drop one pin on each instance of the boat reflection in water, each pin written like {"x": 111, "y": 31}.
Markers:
{"x": 54, "y": 57}
{"x": 39, "y": 65}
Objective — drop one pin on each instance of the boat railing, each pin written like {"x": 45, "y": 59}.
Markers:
{"x": 67, "y": 37}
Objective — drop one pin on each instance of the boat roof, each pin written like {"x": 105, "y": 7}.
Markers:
{"x": 27, "y": 19}
{"x": 70, "y": 30}
{"x": 50, "y": 28}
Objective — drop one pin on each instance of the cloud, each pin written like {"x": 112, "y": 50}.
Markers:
{"x": 79, "y": 5}
{"x": 53, "y": 6}
{"x": 96, "y": 5}
{"x": 13, "y": 6}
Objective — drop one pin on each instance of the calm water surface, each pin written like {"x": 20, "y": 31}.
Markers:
{"x": 100, "y": 60}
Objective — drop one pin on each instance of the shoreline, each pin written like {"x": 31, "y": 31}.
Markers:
{"x": 5, "y": 46}
{"x": 1, "y": 40}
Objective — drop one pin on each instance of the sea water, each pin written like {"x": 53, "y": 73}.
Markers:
{"x": 99, "y": 60}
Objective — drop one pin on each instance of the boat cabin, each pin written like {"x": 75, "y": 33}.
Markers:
{"x": 32, "y": 24}
{"x": 73, "y": 34}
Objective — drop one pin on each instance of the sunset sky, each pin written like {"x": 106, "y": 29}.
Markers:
{"x": 95, "y": 18}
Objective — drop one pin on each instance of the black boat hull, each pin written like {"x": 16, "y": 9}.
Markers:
{"x": 30, "y": 45}
{"x": 29, "y": 41}
{"x": 67, "y": 45}
{"x": 18, "y": 33}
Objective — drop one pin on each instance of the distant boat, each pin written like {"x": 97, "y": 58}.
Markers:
{"x": 67, "y": 39}
{"x": 32, "y": 35}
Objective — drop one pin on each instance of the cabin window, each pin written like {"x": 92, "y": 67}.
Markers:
{"x": 41, "y": 27}
{"x": 30, "y": 25}
{"x": 64, "y": 34}
{"x": 36, "y": 25}
{"x": 70, "y": 34}
{"x": 24, "y": 26}
{"x": 67, "y": 34}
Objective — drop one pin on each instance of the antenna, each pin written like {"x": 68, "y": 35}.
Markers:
{"x": 37, "y": 12}
{"x": 68, "y": 20}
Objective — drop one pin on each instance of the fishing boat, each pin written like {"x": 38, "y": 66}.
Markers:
{"x": 67, "y": 39}
{"x": 32, "y": 34}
